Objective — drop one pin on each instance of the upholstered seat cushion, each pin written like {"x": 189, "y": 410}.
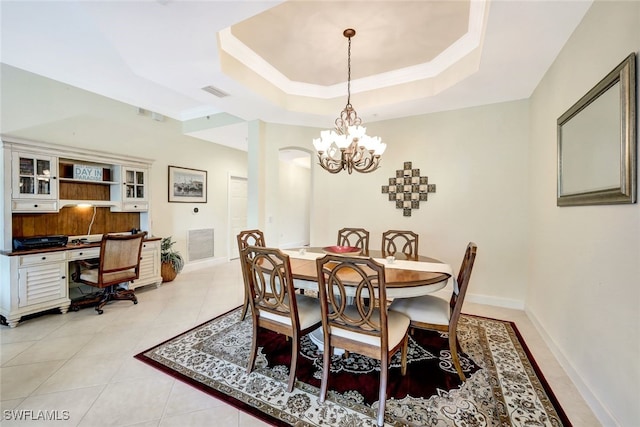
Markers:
{"x": 308, "y": 312}
{"x": 423, "y": 309}
{"x": 91, "y": 275}
{"x": 397, "y": 323}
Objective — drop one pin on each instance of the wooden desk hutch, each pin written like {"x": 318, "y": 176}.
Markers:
{"x": 51, "y": 189}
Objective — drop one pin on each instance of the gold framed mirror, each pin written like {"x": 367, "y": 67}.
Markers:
{"x": 597, "y": 142}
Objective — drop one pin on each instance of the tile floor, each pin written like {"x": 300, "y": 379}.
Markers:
{"x": 81, "y": 364}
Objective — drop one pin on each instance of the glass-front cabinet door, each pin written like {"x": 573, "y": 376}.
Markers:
{"x": 34, "y": 177}
{"x": 135, "y": 181}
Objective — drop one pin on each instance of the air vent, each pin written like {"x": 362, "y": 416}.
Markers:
{"x": 215, "y": 91}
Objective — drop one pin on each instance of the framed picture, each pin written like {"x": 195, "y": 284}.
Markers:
{"x": 187, "y": 185}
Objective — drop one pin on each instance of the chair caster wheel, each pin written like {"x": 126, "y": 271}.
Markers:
{"x": 135, "y": 302}
{"x": 100, "y": 311}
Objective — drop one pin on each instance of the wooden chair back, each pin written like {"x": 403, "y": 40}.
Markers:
{"x": 119, "y": 259}
{"x": 245, "y": 239}
{"x": 250, "y": 238}
{"x": 403, "y": 241}
{"x": 356, "y": 237}
{"x": 350, "y": 290}
{"x": 270, "y": 285}
{"x": 461, "y": 285}
{"x": 274, "y": 303}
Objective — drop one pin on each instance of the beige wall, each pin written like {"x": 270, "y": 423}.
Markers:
{"x": 584, "y": 270}
{"x": 41, "y": 109}
{"x": 477, "y": 158}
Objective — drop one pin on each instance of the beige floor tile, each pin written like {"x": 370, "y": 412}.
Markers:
{"x": 51, "y": 349}
{"x": 185, "y": 398}
{"x": 221, "y": 416}
{"x": 66, "y": 408}
{"x": 10, "y": 350}
{"x": 81, "y": 372}
{"x": 130, "y": 402}
{"x": 22, "y": 380}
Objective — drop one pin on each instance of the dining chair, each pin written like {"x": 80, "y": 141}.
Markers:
{"x": 245, "y": 239}
{"x": 356, "y": 237}
{"x": 274, "y": 304}
{"x": 404, "y": 241}
{"x": 119, "y": 263}
{"x": 432, "y": 312}
{"x": 365, "y": 327}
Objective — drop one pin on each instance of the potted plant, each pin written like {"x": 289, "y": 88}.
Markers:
{"x": 172, "y": 261}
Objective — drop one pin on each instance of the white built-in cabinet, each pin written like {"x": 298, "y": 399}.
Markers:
{"x": 33, "y": 174}
{"x": 34, "y": 185}
{"x": 132, "y": 190}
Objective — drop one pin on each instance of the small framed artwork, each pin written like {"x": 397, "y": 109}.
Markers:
{"x": 187, "y": 185}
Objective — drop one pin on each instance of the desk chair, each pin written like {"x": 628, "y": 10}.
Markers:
{"x": 119, "y": 262}
{"x": 274, "y": 303}
{"x": 400, "y": 241}
{"x": 432, "y": 312}
{"x": 357, "y": 237}
{"x": 245, "y": 239}
{"x": 366, "y": 327}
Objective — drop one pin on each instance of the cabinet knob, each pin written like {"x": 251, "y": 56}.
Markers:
{"x": 43, "y": 258}
{"x": 63, "y": 277}
{"x": 35, "y": 206}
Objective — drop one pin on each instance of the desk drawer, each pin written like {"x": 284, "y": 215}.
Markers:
{"x": 34, "y": 206}
{"x": 86, "y": 253}
{"x": 135, "y": 206}
{"x": 42, "y": 258}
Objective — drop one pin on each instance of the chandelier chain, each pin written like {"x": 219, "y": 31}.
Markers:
{"x": 348, "y": 147}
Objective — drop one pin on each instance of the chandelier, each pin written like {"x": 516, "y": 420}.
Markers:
{"x": 348, "y": 147}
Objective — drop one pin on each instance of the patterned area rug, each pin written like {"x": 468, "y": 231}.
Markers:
{"x": 504, "y": 386}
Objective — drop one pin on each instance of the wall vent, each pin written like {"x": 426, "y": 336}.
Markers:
{"x": 215, "y": 91}
{"x": 200, "y": 244}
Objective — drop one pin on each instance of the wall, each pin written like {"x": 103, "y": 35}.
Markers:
{"x": 585, "y": 261}
{"x": 477, "y": 158}
{"x": 294, "y": 195}
{"x": 41, "y": 109}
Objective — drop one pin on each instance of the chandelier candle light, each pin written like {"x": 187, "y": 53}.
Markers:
{"x": 348, "y": 147}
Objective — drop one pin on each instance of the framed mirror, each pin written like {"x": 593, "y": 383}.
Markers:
{"x": 597, "y": 142}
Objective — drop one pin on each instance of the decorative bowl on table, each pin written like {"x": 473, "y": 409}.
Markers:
{"x": 342, "y": 250}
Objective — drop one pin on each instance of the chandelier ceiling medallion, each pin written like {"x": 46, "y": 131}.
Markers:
{"x": 348, "y": 147}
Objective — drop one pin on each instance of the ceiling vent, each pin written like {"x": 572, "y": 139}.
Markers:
{"x": 215, "y": 91}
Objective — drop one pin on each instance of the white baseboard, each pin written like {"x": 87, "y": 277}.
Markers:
{"x": 495, "y": 301}
{"x": 599, "y": 410}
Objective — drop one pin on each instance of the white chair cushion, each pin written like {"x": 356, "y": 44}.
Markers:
{"x": 398, "y": 324}
{"x": 309, "y": 312}
{"x": 424, "y": 309}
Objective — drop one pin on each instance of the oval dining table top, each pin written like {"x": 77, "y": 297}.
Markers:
{"x": 406, "y": 281}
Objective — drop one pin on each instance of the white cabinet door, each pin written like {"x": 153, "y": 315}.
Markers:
{"x": 149, "y": 265}
{"x": 34, "y": 176}
{"x": 132, "y": 192}
{"x": 42, "y": 283}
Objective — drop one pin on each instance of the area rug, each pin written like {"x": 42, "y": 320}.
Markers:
{"x": 503, "y": 388}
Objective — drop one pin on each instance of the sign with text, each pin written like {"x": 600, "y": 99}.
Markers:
{"x": 87, "y": 173}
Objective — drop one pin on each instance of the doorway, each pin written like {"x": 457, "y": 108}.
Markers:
{"x": 238, "y": 190}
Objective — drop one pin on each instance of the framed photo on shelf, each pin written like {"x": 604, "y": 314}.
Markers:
{"x": 187, "y": 185}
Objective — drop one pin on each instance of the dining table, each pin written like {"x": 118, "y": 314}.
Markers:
{"x": 405, "y": 277}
